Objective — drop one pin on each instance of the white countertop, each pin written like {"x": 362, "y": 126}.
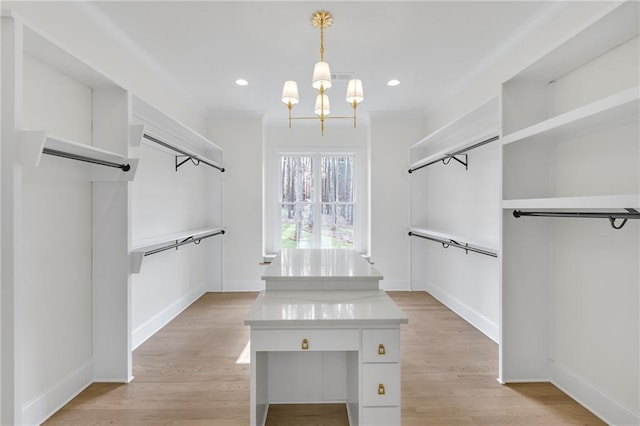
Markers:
{"x": 318, "y": 308}
{"x": 303, "y": 264}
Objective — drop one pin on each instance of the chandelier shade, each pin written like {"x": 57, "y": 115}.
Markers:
{"x": 355, "y": 93}
{"x": 321, "y": 76}
{"x": 322, "y": 105}
{"x": 290, "y": 92}
{"x": 321, "y": 81}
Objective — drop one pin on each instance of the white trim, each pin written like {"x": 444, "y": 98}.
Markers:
{"x": 594, "y": 400}
{"x": 395, "y": 285}
{"x": 44, "y": 405}
{"x": 473, "y": 317}
{"x": 243, "y": 285}
{"x": 150, "y": 327}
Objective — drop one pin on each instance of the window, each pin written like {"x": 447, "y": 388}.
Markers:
{"x": 317, "y": 201}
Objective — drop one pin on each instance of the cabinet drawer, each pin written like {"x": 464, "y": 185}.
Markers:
{"x": 381, "y": 416}
{"x": 381, "y": 345}
{"x": 380, "y": 385}
{"x": 304, "y": 340}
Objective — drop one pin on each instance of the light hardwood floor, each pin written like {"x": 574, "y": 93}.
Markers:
{"x": 186, "y": 374}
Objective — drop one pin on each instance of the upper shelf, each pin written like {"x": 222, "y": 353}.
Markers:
{"x": 40, "y": 46}
{"x": 480, "y": 120}
{"x": 34, "y": 143}
{"x": 621, "y": 22}
{"x": 621, "y": 105}
{"x": 139, "y": 133}
{"x": 175, "y": 129}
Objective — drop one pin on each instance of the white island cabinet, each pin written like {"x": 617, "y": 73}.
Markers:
{"x": 323, "y": 332}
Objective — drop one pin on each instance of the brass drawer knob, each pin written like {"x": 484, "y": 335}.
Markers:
{"x": 305, "y": 344}
{"x": 381, "y": 350}
{"x": 380, "y": 389}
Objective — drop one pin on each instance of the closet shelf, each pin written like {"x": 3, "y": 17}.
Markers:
{"x": 455, "y": 150}
{"x": 489, "y": 248}
{"x": 35, "y": 143}
{"x": 621, "y": 105}
{"x": 617, "y": 25}
{"x": 153, "y": 245}
{"x": 594, "y": 202}
{"x": 473, "y": 122}
{"x": 153, "y": 117}
{"x": 139, "y": 132}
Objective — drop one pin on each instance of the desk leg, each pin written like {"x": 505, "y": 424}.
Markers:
{"x": 259, "y": 388}
{"x": 353, "y": 387}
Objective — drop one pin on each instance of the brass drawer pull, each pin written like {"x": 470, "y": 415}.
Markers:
{"x": 380, "y": 389}
{"x": 381, "y": 350}
{"x": 305, "y": 344}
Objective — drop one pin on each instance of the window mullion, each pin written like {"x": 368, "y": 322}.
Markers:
{"x": 317, "y": 201}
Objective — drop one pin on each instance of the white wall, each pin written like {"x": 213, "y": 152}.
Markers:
{"x": 55, "y": 304}
{"x": 390, "y": 192}
{"x": 241, "y": 140}
{"x": 248, "y": 151}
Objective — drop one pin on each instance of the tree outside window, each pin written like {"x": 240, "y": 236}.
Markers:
{"x": 317, "y": 201}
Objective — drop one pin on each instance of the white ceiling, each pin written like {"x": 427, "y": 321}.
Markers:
{"x": 433, "y": 48}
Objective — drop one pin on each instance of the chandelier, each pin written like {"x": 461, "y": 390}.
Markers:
{"x": 322, "y": 82}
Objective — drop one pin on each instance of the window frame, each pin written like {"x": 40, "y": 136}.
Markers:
{"x": 359, "y": 210}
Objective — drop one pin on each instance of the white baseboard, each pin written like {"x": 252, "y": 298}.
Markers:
{"x": 473, "y": 317}
{"x": 43, "y": 406}
{"x": 600, "y": 404}
{"x": 162, "y": 318}
{"x": 242, "y": 285}
{"x": 395, "y": 285}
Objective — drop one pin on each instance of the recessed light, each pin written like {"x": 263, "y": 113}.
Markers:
{"x": 241, "y": 82}
{"x": 393, "y": 82}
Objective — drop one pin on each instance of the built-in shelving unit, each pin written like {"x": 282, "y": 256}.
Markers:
{"x": 70, "y": 229}
{"x": 571, "y": 157}
{"x": 65, "y": 225}
{"x": 190, "y": 198}
{"x": 458, "y": 206}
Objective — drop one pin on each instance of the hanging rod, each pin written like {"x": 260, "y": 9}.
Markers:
{"x": 177, "y": 244}
{"x": 56, "y": 153}
{"x": 446, "y": 159}
{"x": 630, "y": 214}
{"x": 447, "y": 243}
{"x": 194, "y": 158}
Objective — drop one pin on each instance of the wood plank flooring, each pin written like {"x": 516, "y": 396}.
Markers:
{"x": 186, "y": 374}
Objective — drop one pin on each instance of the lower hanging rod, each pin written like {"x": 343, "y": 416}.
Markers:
{"x": 56, "y": 153}
{"x": 447, "y": 157}
{"x": 453, "y": 243}
{"x": 194, "y": 158}
{"x": 612, "y": 216}
{"x": 187, "y": 240}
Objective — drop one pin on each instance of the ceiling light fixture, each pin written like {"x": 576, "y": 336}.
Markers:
{"x": 241, "y": 82}
{"x": 322, "y": 81}
{"x": 393, "y": 82}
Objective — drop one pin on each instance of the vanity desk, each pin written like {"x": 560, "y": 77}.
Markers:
{"x": 323, "y": 332}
